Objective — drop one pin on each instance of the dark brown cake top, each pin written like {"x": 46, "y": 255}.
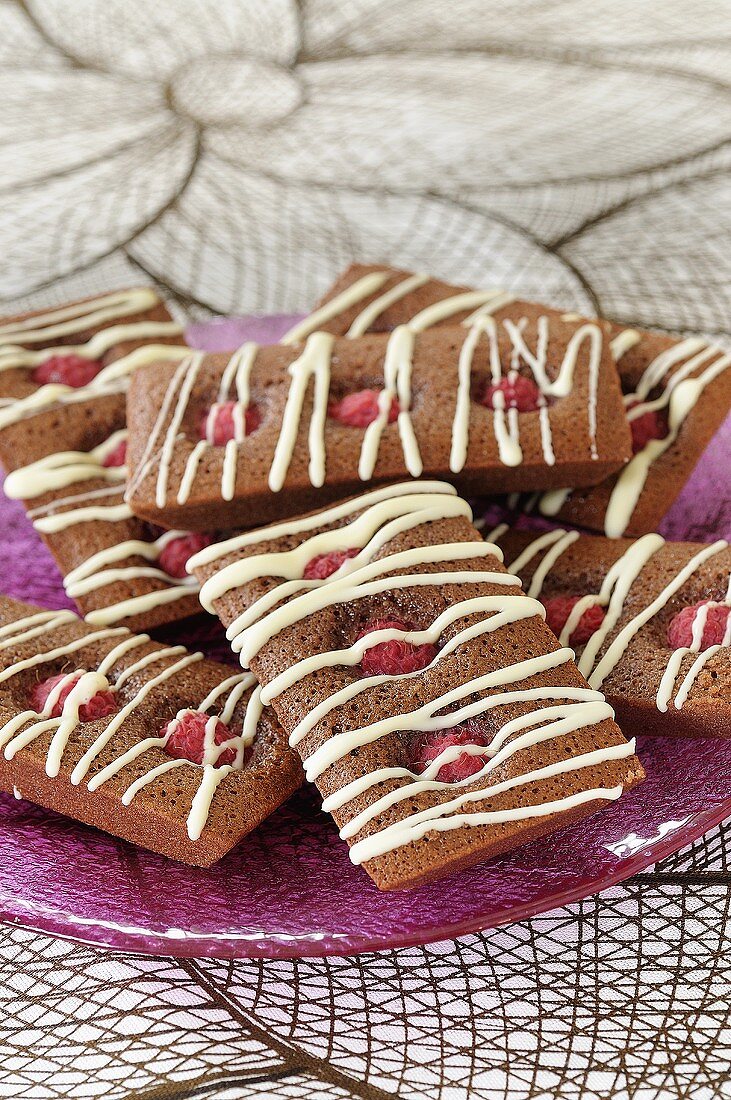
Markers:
{"x": 394, "y": 645}
{"x": 112, "y": 711}
{"x": 648, "y": 618}
{"x": 530, "y": 402}
{"x": 677, "y": 394}
{"x": 677, "y": 391}
{"x": 63, "y": 439}
{"x": 368, "y": 298}
{"x": 81, "y": 350}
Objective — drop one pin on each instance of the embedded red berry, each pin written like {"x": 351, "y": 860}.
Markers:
{"x": 358, "y": 410}
{"x": 186, "y": 737}
{"x": 652, "y": 424}
{"x": 428, "y": 746}
{"x": 118, "y": 456}
{"x": 558, "y": 609}
{"x": 100, "y": 705}
{"x": 680, "y": 628}
{"x": 218, "y": 424}
{"x": 396, "y": 657}
{"x": 174, "y": 555}
{"x": 69, "y": 370}
{"x": 518, "y": 393}
{"x": 324, "y": 565}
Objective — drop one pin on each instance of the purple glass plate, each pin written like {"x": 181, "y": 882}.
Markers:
{"x": 289, "y": 890}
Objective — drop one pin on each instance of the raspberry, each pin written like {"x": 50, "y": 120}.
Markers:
{"x": 118, "y": 456}
{"x": 70, "y": 370}
{"x": 680, "y": 628}
{"x": 652, "y": 424}
{"x": 185, "y": 737}
{"x": 396, "y": 657}
{"x": 223, "y": 427}
{"x": 175, "y": 554}
{"x": 558, "y": 609}
{"x": 358, "y": 410}
{"x": 428, "y": 746}
{"x": 324, "y": 565}
{"x": 99, "y": 706}
{"x": 519, "y": 393}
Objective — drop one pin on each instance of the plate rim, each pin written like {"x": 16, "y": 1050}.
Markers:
{"x": 116, "y": 939}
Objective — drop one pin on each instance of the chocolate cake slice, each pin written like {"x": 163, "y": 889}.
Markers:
{"x": 224, "y": 441}
{"x": 677, "y": 392}
{"x": 677, "y": 395}
{"x": 63, "y": 376}
{"x": 150, "y": 743}
{"x": 430, "y": 703}
{"x": 650, "y": 622}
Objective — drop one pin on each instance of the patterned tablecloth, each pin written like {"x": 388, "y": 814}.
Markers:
{"x": 239, "y": 154}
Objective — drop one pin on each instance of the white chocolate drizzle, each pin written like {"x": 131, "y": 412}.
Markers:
{"x": 327, "y": 516}
{"x": 372, "y": 312}
{"x": 359, "y": 290}
{"x": 367, "y": 581}
{"x": 555, "y": 542}
{"x": 187, "y": 374}
{"x": 383, "y": 515}
{"x": 480, "y": 302}
{"x": 495, "y": 533}
{"x": 680, "y": 396}
{"x": 236, "y": 373}
{"x": 51, "y": 655}
{"x": 114, "y": 378}
{"x": 12, "y": 358}
{"x": 314, "y": 362}
{"x": 632, "y": 479}
{"x": 36, "y": 624}
{"x": 78, "y": 317}
{"x": 504, "y": 609}
{"x": 669, "y": 679}
{"x": 24, "y": 728}
{"x": 684, "y": 370}
{"x": 625, "y": 636}
{"x": 612, "y": 596}
{"x": 66, "y": 468}
{"x": 624, "y": 342}
{"x": 397, "y": 366}
{"x": 60, "y": 470}
{"x": 94, "y": 573}
{"x": 312, "y": 369}
{"x": 506, "y": 421}
{"x": 551, "y": 503}
{"x": 110, "y": 513}
{"x": 74, "y": 498}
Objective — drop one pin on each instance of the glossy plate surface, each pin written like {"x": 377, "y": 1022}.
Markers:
{"x": 289, "y": 889}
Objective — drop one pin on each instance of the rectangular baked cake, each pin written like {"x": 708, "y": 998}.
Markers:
{"x": 649, "y": 620}
{"x": 431, "y": 705}
{"x": 677, "y": 391}
{"x": 226, "y": 441}
{"x": 148, "y": 742}
{"x": 63, "y": 439}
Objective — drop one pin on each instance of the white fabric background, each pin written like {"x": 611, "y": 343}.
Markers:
{"x": 240, "y": 152}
